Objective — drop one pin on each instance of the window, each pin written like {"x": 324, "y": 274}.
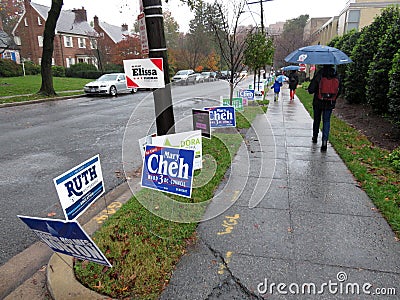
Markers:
{"x": 82, "y": 42}
{"x": 39, "y": 21}
{"x": 93, "y": 44}
{"x": 17, "y": 40}
{"x": 353, "y": 20}
{"x": 25, "y": 22}
{"x": 70, "y": 61}
{"x": 68, "y": 41}
{"x": 40, "y": 40}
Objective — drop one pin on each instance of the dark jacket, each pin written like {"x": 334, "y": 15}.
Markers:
{"x": 293, "y": 80}
{"x": 326, "y": 71}
{"x": 276, "y": 87}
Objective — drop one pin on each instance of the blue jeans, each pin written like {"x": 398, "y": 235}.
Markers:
{"x": 326, "y": 121}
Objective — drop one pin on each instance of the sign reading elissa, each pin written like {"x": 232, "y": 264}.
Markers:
{"x": 168, "y": 170}
{"x": 66, "y": 237}
{"x": 222, "y": 116}
{"x": 79, "y": 187}
{"x": 144, "y": 73}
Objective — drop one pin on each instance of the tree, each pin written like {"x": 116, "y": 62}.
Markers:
{"x": 10, "y": 11}
{"x": 47, "y": 87}
{"x": 378, "y": 72}
{"x": 259, "y": 51}
{"x": 230, "y": 37}
{"x": 290, "y": 39}
{"x": 363, "y": 53}
{"x": 171, "y": 29}
{"x": 128, "y": 48}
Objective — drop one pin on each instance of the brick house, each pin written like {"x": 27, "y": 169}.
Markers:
{"x": 74, "y": 42}
{"x": 115, "y": 43}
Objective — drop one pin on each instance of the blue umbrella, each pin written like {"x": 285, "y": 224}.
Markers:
{"x": 318, "y": 55}
{"x": 291, "y": 68}
{"x": 282, "y": 78}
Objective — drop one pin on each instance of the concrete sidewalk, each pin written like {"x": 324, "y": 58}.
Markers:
{"x": 314, "y": 231}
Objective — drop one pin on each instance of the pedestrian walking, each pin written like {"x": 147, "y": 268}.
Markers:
{"x": 325, "y": 87}
{"x": 293, "y": 82}
{"x": 277, "y": 89}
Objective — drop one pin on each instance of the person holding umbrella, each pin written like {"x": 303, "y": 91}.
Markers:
{"x": 323, "y": 83}
{"x": 323, "y": 104}
{"x": 293, "y": 82}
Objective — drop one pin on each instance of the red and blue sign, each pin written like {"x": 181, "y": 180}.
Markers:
{"x": 168, "y": 170}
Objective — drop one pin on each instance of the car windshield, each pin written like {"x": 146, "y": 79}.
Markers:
{"x": 184, "y": 72}
{"x": 108, "y": 77}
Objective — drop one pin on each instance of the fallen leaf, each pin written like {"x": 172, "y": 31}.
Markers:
{"x": 51, "y": 214}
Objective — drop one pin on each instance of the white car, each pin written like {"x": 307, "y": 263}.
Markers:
{"x": 184, "y": 77}
{"x": 108, "y": 84}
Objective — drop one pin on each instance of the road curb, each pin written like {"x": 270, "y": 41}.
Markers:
{"x": 3, "y": 105}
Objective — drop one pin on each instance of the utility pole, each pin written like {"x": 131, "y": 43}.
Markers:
{"x": 158, "y": 49}
{"x": 262, "y": 16}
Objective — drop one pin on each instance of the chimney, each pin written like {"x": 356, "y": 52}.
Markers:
{"x": 80, "y": 15}
{"x": 1, "y": 24}
{"x": 95, "y": 21}
{"x": 124, "y": 27}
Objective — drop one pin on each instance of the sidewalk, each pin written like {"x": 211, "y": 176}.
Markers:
{"x": 314, "y": 225}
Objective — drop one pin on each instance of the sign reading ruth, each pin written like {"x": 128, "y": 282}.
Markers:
{"x": 144, "y": 73}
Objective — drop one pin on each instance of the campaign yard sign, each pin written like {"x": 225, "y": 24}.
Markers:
{"x": 190, "y": 140}
{"x": 168, "y": 170}
{"x": 247, "y": 94}
{"x": 144, "y": 73}
{"x": 237, "y": 103}
{"x": 201, "y": 121}
{"x": 79, "y": 187}
{"x": 222, "y": 116}
{"x": 66, "y": 237}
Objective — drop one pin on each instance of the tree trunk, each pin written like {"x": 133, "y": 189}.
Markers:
{"x": 47, "y": 88}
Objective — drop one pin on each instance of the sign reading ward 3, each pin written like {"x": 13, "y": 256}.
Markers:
{"x": 79, "y": 187}
{"x": 144, "y": 73}
{"x": 168, "y": 170}
{"x": 66, "y": 237}
{"x": 222, "y": 116}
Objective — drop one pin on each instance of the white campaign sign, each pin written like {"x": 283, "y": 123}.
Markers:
{"x": 144, "y": 73}
{"x": 190, "y": 140}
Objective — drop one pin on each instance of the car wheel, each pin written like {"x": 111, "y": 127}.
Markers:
{"x": 113, "y": 91}
{"x": 134, "y": 90}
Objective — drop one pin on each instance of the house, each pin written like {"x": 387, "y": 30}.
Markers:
{"x": 74, "y": 42}
{"x": 8, "y": 49}
{"x": 116, "y": 43}
{"x": 355, "y": 15}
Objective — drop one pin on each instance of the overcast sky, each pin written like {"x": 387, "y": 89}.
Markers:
{"x": 118, "y": 12}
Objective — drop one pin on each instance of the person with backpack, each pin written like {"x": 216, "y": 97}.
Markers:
{"x": 293, "y": 82}
{"x": 325, "y": 86}
{"x": 277, "y": 89}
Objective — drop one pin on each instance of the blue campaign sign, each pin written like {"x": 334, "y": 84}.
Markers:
{"x": 79, "y": 187}
{"x": 168, "y": 170}
{"x": 222, "y": 116}
{"x": 66, "y": 237}
{"x": 248, "y": 94}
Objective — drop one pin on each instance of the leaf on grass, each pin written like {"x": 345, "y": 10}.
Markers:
{"x": 105, "y": 269}
{"x": 98, "y": 286}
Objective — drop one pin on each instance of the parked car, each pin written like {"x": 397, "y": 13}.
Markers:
{"x": 206, "y": 76}
{"x": 184, "y": 77}
{"x": 108, "y": 84}
{"x": 213, "y": 76}
{"x": 225, "y": 74}
{"x": 199, "y": 78}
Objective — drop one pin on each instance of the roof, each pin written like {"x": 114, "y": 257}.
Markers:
{"x": 116, "y": 33}
{"x": 6, "y": 42}
{"x": 66, "y": 22}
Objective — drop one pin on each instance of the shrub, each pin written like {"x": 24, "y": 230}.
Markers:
{"x": 82, "y": 70}
{"x": 394, "y": 88}
{"x": 58, "y": 71}
{"x": 9, "y": 68}
{"x": 31, "y": 68}
{"x": 113, "y": 68}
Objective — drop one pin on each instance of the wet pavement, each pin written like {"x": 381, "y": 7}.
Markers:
{"x": 313, "y": 232}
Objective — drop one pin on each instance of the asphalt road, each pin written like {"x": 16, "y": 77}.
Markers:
{"x": 38, "y": 142}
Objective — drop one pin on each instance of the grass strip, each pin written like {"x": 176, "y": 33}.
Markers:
{"x": 368, "y": 163}
{"x": 144, "y": 248}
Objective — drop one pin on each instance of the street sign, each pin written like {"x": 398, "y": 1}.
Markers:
{"x": 143, "y": 33}
{"x": 168, "y": 170}
{"x": 79, "y": 187}
{"x": 66, "y": 237}
{"x": 144, "y": 73}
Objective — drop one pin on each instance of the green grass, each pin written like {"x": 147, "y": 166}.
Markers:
{"x": 144, "y": 248}
{"x": 368, "y": 163}
{"x": 30, "y": 85}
